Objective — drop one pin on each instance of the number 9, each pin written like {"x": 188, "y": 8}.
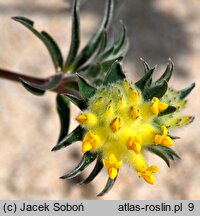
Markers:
{"x": 190, "y": 206}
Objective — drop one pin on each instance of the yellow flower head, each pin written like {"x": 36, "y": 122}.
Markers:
{"x": 123, "y": 120}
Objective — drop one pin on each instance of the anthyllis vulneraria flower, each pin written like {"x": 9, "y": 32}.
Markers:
{"x": 121, "y": 120}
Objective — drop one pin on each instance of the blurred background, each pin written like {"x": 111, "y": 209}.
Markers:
{"x": 29, "y": 125}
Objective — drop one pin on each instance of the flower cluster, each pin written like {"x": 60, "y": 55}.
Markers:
{"x": 119, "y": 124}
{"x": 121, "y": 120}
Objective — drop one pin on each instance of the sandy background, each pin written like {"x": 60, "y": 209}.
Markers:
{"x": 29, "y": 125}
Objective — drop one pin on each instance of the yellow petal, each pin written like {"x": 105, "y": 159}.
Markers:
{"x": 91, "y": 138}
{"x": 107, "y": 164}
{"x": 115, "y": 125}
{"x": 134, "y": 143}
{"x": 167, "y": 141}
{"x": 81, "y": 118}
{"x": 154, "y": 169}
{"x": 118, "y": 164}
{"x": 149, "y": 179}
{"x": 131, "y": 139}
{"x": 87, "y": 146}
{"x": 137, "y": 147}
{"x": 134, "y": 112}
{"x": 112, "y": 172}
{"x": 87, "y": 119}
{"x": 158, "y": 106}
{"x": 162, "y": 106}
{"x": 158, "y": 139}
{"x": 155, "y": 108}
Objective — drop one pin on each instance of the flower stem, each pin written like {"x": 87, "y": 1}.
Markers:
{"x": 13, "y": 76}
{"x": 61, "y": 89}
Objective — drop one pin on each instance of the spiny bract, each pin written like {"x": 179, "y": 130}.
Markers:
{"x": 121, "y": 120}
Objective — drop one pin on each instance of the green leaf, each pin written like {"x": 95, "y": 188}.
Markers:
{"x": 142, "y": 82}
{"x": 96, "y": 73}
{"x": 114, "y": 74}
{"x": 52, "y": 83}
{"x": 106, "y": 54}
{"x": 75, "y": 37}
{"x": 81, "y": 104}
{"x": 108, "y": 186}
{"x": 123, "y": 36}
{"x": 63, "y": 109}
{"x": 95, "y": 41}
{"x": 98, "y": 167}
{"x": 167, "y": 74}
{"x": 87, "y": 159}
{"x": 170, "y": 152}
{"x": 157, "y": 90}
{"x": 169, "y": 110}
{"x": 119, "y": 49}
{"x": 76, "y": 135}
{"x": 103, "y": 43}
{"x": 32, "y": 89}
{"x": 145, "y": 65}
{"x": 163, "y": 152}
{"x": 159, "y": 153}
{"x": 106, "y": 65}
{"x": 85, "y": 88}
{"x": 185, "y": 92}
{"x": 92, "y": 72}
{"x": 48, "y": 41}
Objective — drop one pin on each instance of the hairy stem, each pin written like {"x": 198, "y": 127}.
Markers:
{"x": 61, "y": 89}
{"x": 9, "y": 75}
